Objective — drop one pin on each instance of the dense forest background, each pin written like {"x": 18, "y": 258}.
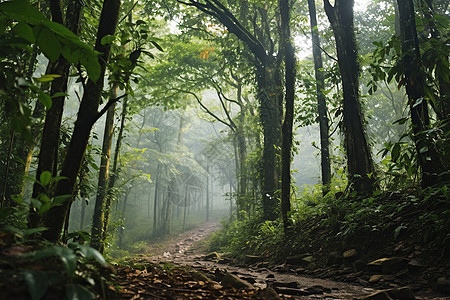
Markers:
{"x": 127, "y": 121}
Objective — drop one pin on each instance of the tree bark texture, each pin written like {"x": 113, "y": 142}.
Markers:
{"x": 99, "y": 208}
{"x": 290, "y": 72}
{"x": 48, "y": 154}
{"x": 413, "y": 77}
{"x": 359, "y": 160}
{"x": 83, "y": 125}
{"x": 321, "y": 100}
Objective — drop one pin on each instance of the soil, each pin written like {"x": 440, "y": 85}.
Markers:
{"x": 183, "y": 269}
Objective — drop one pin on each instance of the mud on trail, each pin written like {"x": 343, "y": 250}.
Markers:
{"x": 184, "y": 270}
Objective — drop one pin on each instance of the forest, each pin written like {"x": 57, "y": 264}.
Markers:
{"x": 224, "y": 149}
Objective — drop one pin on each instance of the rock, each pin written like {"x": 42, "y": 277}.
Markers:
{"x": 297, "y": 259}
{"x": 291, "y": 291}
{"x": 225, "y": 261}
{"x": 390, "y": 265}
{"x": 350, "y": 254}
{"x": 382, "y": 295}
{"x": 219, "y": 274}
{"x": 311, "y": 266}
{"x": 252, "y": 259}
{"x": 375, "y": 278}
{"x": 201, "y": 277}
{"x": 317, "y": 289}
{"x": 402, "y": 273}
{"x": 292, "y": 284}
{"x": 267, "y": 293}
{"x": 443, "y": 284}
{"x": 270, "y": 276}
{"x": 334, "y": 258}
{"x": 230, "y": 280}
{"x": 403, "y": 293}
{"x": 359, "y": 265}
{"x": 415, "y": 266}
{"x": 211, "y": 256}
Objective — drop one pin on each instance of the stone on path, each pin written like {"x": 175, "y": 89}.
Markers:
{"x": 389, "y": 265}
{"x": 230, "y": 280}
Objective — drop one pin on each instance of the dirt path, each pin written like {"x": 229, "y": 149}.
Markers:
{"x": 188, "y": 250}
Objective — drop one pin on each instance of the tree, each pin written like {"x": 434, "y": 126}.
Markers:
{"x": 321, "y": 100}
{"x": 48, "y": 154}
{"x": 87, "y": 116}
{"x": 428, "y": 155}
{"x": 290, "y": 71}
{"x": 268, "y": 79}
{"x": 359, "y": 160}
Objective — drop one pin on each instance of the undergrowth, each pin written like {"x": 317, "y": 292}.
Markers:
{"x": 341, "y": 221}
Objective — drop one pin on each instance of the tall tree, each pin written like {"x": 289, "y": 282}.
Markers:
{"x": 321, "y": 100}
{"x": 359, "y": 160}
{"x": 87, "y": 116}
{"x": 289, "y": 78}
{"x": 269, "y": 94}
{"x": 414, "y": 81}
{"x": 48, "y": 154}
{"x": 99, "y": 208}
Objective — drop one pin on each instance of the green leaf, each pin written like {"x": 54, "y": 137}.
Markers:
{"x": 157, "y": 46}
{"x": 67, "y": 256}
{"x": 24, "y": 31}
{"x": 92, "y": 66}
{"x": 59, "y": 200}
{"x": 78, "y": 292}
{"x": 90, "y": 252}
{"x": 36, "y": 203}
{"x": 33, "y": 230}
{"x": 45, "y": 99}
{"x": 5, "y": 212}
{"x": 45, "y": 178}
{"x": 47, "y": 77}
{"x": 395, "y": 153}
{"x": 48, "y": 43}
{"x": 21, "y": 10}
{"x": 37, "y": 283}
{"x": 107, "y": 39}
{"x": 59, "y": 94}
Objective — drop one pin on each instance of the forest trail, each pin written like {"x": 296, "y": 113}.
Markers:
{"x": 185, "y": 271}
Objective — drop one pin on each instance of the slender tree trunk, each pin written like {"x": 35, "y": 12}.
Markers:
{"x": 207, "y": 193}
{"x": 114, "y": 173}
{"x": 122, "y": 228}
{"x": 289, "y": 62}
{"x": 99, "y": 208}
{"x": 155, "y": 202}
{"x": 87, "y": 114}
{"x": 321, "y": 100}
{"x": 83, "y": 213}
{"x": 5, "y": 201}
{"x": 359, "y": 160}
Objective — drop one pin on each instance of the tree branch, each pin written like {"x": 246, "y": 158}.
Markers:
{"x": 106, "y": 107}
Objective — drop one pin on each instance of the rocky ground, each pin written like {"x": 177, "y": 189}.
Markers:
{"x": 184, "y": 270}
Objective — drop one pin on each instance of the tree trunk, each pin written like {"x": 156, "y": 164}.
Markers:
{"x": 321, "y": 100}
{"x": 359, "y": 160}
{"x": 414, "y": 82}
{"x": 289, "y": 63}
{"x": 48, "y": 154}
{"x": 113, "y": 174}
{"x": 99, "y": 208}
{"x": 87, "y": 114}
